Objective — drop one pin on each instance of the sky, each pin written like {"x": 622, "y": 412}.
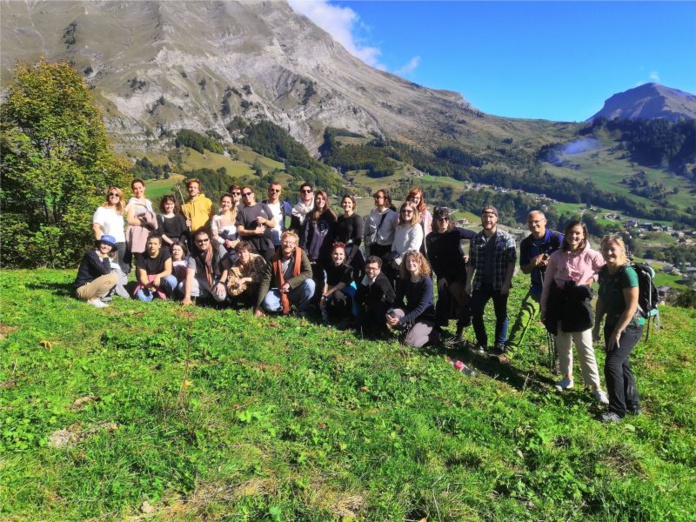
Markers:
{"x": 550, "y": 60}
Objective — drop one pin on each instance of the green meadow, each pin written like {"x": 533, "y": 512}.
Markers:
{"x": 156, "y": 411}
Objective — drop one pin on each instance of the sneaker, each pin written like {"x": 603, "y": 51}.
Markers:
{"x": 565, "y": 384}
{"x": 609, "y": 416}
{"x": 501, "y": 358}
{"x": 479, "y": 348}
{"x": 499, "y": 348}
{"x": 107, "y": 299}
{"x": 97, "y": 303}
{"x": 600, "y": 396}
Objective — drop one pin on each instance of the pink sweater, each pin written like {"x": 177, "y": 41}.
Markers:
{"x": 571, "y": 266}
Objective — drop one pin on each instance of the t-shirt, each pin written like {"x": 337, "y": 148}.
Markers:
{"x": 247, "y": 216}
{"x": 173, "y": 227}
{"x": 153, "y": 265}
{"x": 110, "y": 223}
{"x": 338, "y": 274}
{"x": 276, "y": 231}
{"x": 611, "y": 287}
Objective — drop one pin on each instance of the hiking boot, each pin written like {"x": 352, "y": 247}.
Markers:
{"x": 501, "y": 358}
{"x": 565, "y": 384}
{"x": 609, "y": 416}
{"x": 600, "y": 397}
{"x": 634, "y": 410}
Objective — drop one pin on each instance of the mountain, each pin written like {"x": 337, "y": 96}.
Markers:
{"x": 160, "y": 66}
{"x": 649, "y": 101}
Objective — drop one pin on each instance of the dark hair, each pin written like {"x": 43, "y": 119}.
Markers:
{"x": 166, "y": 198}
{"x": 234, "y": 187}
{"x": 440, "y": 212}
{"x": 327, "y": 207}
{"x": 155, "y": 236}
{"x": 137, "y": 180}
{"x": 242, "y": 246}
{"x": 565, "y": 246}
{"x": 352, "y": 198}
{"x": 182, "y": 244}
{"x": 305, "y": 184}
{"x": 202, "y": 231}
{"x": 374, "y": 259}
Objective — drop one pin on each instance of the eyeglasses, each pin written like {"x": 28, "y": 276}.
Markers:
{"x": 113, "y": 194}
{"x": 307, "y": 191}
{"x": 245, "y": 194}
{"x": 236, "y": 193}
{"x": 200, "y": 241}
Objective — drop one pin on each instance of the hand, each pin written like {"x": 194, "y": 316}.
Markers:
{"x": 188, "y": 223}
{"x": 392, "y": 321}
{"x": 156, "y": 282}
{"x": 505, "y": 289}
{"x": 258, "y": 313}
{"x": 285, "y": 288}
{"x": 186, "y": 301}
{"x": 615, "y": 337}
{"x": 541, "y": 260}
{"x": 595, "y": 334}
{"x": 259, "y": 230}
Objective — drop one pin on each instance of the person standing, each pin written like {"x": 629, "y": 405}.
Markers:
{"x": 535, "y": 250}
{"x": 316, "y": 238}
{"x": 618, "y": 302}
{"x": 444, "y": 247}
{"x": 303, "y": 207}
{"x": 198, "y": 210}
{"x": 280, "y": 210}
{"x": 349, "y": 231}
{"x": 416, "y": 197}
{"x": 493, "y": 256}
{"x": 141, "y": 220}
{"x": 566, "y": 306}
{"x": 254, "y": 224}
{"x": 171, "y": 224}
{"x": 108, "y": 219}
{"x": 380, "y": 225}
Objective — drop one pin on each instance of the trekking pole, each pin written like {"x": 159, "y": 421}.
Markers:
{"x": 550, "y": 340}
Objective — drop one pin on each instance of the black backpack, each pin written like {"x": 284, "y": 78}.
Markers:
{"x": 647, "y": 295}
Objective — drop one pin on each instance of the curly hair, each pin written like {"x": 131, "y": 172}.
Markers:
{"x": 423, "y": 265}
{"x": 417, "y": 192}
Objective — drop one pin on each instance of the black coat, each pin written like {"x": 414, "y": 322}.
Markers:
{"x": 572, "y": 306}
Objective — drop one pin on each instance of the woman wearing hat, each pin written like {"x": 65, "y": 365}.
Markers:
{"x": 94, "y": 277}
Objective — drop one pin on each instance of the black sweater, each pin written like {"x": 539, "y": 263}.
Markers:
{"x": 416, "y": 299}
{"x": 92, "y": 267}
{"x": 446, "y": 255}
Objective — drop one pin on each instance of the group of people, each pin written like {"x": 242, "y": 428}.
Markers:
{"x": 374, "y": 273}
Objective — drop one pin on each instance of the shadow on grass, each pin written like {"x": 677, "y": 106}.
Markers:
{"x": 57, "y": 289}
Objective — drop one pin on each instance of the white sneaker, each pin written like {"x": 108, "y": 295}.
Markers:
{"x": 565, "y": 384}
{"x": 97, "y": 303}
{"x": 600, "y": 396}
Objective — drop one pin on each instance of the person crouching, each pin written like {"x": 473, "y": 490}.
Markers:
{"x": 94, "y": 277}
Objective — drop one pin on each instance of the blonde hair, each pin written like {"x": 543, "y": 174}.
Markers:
{"x": 621, "y": 255}
{"x": 416, "y": 215}
{"x": 120, "y": 207}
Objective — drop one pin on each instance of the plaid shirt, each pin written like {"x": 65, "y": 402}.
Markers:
{"x": 504, "y": 254}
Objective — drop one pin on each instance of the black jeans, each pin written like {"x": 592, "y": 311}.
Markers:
{"x": 479, "y": 299}
{"x": 621, "y": 383}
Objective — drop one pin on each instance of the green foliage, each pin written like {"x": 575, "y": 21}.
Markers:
{"x": 375, "y": 157}
{"x": 283, "y": 419}
{"x": 56, "y": 166}
{"x": 198, "y": 142}
{"x": 686, "y": 299}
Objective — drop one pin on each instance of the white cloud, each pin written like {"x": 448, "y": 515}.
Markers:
{"x": 654, "y": 76}
{"x": 341, "y": 23}
{"x": 409, "y": 67}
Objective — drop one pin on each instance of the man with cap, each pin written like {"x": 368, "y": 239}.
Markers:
{"x": 535, "y": 250}
{"x": 94, "y": 277}
{"x": 492, "y": 263}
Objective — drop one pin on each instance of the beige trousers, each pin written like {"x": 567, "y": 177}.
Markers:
{"x": 97, "y": 288}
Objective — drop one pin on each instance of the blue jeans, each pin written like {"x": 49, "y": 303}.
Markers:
{"x": 621, "y": 383}
{"x": 479, "y": 299}
{"x": 300, "y": 296}
{"x": 167, "y": 285}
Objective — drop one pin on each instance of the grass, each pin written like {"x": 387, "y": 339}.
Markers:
{"x": 198, "y": 413}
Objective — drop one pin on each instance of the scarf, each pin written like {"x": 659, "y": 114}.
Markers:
{"x": 277, "y": 262}
{"x": 206, "y": 259}
{"x": 301, "y": 210}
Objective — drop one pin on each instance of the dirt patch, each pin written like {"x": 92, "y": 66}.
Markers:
{"x": 6, "y": 330}
{"x": 75, "y": 433}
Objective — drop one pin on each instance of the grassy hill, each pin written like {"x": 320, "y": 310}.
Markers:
{"x": 196, "y": 413}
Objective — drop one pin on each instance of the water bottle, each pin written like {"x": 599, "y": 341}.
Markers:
{"x": 461, "y": 367}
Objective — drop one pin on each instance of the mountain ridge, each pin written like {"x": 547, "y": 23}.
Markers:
{"x": 649, "y": 101}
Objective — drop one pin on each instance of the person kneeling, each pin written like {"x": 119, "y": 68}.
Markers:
{"x": 94, "y": 277}
{"x": 414, "y": 309}
{"x": 154, "y": 272}
{"x": 287, "y": 280}
{"x": 205, "y": 275}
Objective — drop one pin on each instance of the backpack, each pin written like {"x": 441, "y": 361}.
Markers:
{"x": 647, "y": 295}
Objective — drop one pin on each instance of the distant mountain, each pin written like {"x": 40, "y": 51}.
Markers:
{"x": 649, "y": 101}
{"x": 159, "y": 66}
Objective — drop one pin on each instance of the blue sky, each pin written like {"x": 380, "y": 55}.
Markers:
{"x": 551, "y": 60}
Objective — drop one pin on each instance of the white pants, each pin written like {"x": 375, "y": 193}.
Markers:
{"x": 588, "y": 363}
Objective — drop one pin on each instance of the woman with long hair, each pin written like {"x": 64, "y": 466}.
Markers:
{"x": 316, "y": 238}
{"x": 171, "y": 224}
{"x": 618, "y": 302}
{"x": 413, "y": 309}
{"x": 417, "y": 197}
{"x": 408, "y": 235}
{"x": 140, "y": 218}
{"x": 108, "y": 219}
{"x": 222, "y": 226}
{"x": 566, "y": 306}
{"x": 349, "y": 231}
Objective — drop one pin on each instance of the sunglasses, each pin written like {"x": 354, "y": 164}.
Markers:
{"x": 273, "y": 190}
{"x": 307, "y": 191}
{"x": 236, "y": 193}
{"x": 247, "y": 193}
{"x": 199, "y": 241}
{"x": 407, "y": 211}
{"x": 112, "y": 194}
{"x": 443, "y": 219}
